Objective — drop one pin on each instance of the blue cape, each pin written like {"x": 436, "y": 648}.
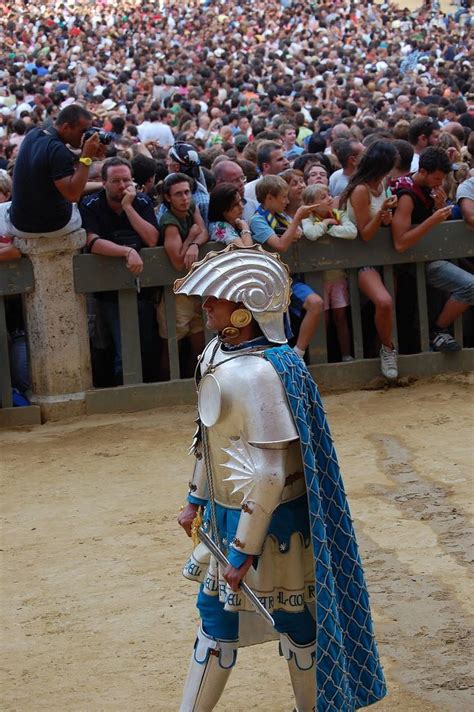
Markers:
{"x": 348, "y": 671}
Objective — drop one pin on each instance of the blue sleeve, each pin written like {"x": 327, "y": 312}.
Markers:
{"x": 196, "y": 500}
{"x": 260, "y": 229}
{"x": 236, "y": 558}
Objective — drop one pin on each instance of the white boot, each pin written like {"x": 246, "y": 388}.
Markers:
{"x": 211, "y": 664}
{"x": 301, "y": 665}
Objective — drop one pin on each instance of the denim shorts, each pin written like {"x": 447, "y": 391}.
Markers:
{"x": 450, "y": 278}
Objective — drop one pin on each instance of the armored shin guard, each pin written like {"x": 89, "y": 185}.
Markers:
{"x": 211, "y": 663}
{"x": 301, "y": 665}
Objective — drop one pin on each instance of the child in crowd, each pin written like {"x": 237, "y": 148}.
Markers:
{"x": 325, "y": 219}
{"x": 271, "y": 226}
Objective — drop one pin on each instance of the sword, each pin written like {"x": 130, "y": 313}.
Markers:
{"x": 222, "y": 559}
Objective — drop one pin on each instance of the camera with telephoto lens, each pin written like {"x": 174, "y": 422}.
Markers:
{"x": 105, "y": 137}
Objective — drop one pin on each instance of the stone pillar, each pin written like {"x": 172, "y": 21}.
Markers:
{"x": 56, "y": 323}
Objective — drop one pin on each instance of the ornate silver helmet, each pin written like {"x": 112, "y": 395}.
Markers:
{"x": 253, "y": 276}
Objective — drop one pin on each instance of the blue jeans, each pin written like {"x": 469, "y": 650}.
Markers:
{"x": 451, "y": 278}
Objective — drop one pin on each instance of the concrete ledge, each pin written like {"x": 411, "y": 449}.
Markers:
{"x": 366, "y": 373}
{"x": 329, "y": 377}
{"x": 13, "y": 417}
{"x": 140, "y": 397}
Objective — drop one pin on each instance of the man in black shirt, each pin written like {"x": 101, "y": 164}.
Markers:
{"x": 119, "y": 222}
{"x": 48, "y": 179}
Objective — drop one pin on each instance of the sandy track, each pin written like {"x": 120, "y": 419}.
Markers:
{"x": 98, "y": 617}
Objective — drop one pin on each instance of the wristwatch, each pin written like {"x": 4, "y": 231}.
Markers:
{"x": 86, "y": 160}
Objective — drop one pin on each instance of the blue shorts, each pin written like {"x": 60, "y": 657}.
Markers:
{"x": 224, "y": 625}
{"x": 299, "y": 293}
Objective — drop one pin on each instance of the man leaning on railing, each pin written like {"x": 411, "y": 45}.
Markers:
{"x": 421, "y": 206}
{"x": 182, "y": 232}
{"x": 119, "y": 222}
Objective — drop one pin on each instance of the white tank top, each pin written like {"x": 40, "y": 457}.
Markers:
{"x": 376, "y": 202}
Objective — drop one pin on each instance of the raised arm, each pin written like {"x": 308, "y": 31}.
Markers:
{"x": 403, "y": 234}
{"x": 281, "y": 243}
{"x": 72, "y": 187}
{"x": 147, "y": 231}
{"x": 368, "y": 225}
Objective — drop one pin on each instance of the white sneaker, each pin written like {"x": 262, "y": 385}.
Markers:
{"x": 346, "y": 359}
{"x": 388, "y": 362}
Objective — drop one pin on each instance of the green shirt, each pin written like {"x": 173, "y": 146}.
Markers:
{"x": 184, "y": 225}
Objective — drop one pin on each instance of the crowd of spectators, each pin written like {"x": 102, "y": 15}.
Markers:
{"x": 246, "y": 121}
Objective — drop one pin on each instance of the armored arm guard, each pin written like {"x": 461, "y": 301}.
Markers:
{"x": 198, "y": 483}
{"x": 260, "y": 473}
{"x": 198, "y": 489}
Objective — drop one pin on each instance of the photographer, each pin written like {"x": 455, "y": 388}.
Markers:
{"x": 48, "y": 179}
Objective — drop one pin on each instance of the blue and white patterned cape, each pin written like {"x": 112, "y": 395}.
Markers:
{"x": 348, "y": 671}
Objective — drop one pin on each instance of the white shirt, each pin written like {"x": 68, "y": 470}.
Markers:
{"x": 250, "y": 190}
{"x": 156, "y": 131}
{"x": 250, "y": 206}
{"x": 337, "y": 182}
{"x": 414, "y": 162}
{"x": 24, "y": 106}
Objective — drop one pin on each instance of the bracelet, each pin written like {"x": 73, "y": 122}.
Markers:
{"x": 193, "y": 243}
{"x": 245, "y": 232}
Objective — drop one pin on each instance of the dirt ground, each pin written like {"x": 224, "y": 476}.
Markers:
{"x": 96, "y": 615}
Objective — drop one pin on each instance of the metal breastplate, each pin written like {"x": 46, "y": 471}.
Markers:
{"x": 241, "y": 398}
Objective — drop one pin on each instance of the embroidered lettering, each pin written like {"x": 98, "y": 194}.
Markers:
{"x": 193, "y": 569}
{"x": 233, "y": 599}
{"x": 296, "y": 599}
{"x": 210, "y": 583}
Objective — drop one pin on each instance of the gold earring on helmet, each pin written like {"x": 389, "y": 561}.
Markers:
{"x": 240, "y": 318}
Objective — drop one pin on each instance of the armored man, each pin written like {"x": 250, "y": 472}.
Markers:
{"x": 274, "y": 510}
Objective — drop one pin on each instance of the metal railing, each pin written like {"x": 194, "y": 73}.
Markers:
{"x": 451, "y": 240}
